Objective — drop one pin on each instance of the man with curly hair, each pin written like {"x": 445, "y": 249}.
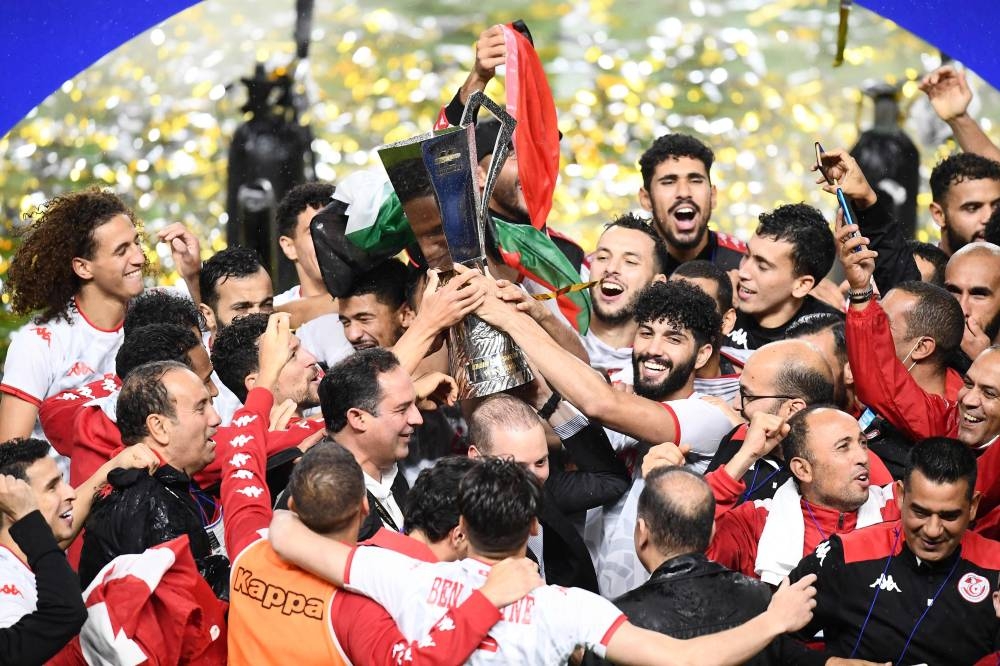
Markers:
{"x": 678, "y": 327}
{"x": 78, "y": 266}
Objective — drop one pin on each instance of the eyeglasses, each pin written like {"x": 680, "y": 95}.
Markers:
{"x": 747, "y": 398}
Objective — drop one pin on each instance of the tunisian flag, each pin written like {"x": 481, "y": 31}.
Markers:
{"x": 536, "y": 139}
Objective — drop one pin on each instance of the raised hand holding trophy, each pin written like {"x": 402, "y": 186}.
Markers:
{"x": 434, "y": 176}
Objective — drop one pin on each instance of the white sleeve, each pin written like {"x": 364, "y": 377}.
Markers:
{"x": 381, "y": 574}
{"x": 701, "y": 426}
{"x": 590, "y": 619}
{"x": 324, "y": 338}
{"x": 28, "y": 372}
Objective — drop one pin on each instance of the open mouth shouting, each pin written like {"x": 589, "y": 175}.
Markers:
{"x": 685, "y": 216}
{"x": 610, "y": 290}
{"x": 654, "y": 368}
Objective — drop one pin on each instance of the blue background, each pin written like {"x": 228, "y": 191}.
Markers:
{"x": 43, "y": 44}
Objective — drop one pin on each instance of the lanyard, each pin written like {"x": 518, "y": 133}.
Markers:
{"x": 930, "y": 604}
{"x": 384, "y": 515}
{"x": 753, "y": 487}
{"x": 815, "y": 522}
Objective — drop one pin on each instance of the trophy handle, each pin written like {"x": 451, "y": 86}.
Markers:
{"x": 501, "y": 149}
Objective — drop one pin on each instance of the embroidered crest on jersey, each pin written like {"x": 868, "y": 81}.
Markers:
{"x": 973, "y": 587}
{"x": 886, "y": 583}
{"x": 822, "y": 551}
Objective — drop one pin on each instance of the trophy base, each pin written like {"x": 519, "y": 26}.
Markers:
{"x": 485, "y": 360}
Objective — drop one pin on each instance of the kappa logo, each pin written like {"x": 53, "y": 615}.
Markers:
{"x": 80, "y": 368}
{"x": 240, "y": 441}
{"x": 239, "y": 460}
{"x": 271, "y": 596}
{"x": 822, "y": 551}
{"x": 886, "y": 583}
{"x": 251, "y": 491}
{"x": 244, "y": 420}
{"x": 44, "y": 334}
{"x": 973, "y": 588}
{"x": 244, "y": 474}
{"x": 739, "y": 336}
{"x": 69, "y": 395}
{"x": 10, "y": 589}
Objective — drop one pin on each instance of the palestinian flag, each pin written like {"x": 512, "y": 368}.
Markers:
{"x": 373, "y": 223}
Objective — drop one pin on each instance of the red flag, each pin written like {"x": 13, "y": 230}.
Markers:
{"x": 536, "y": 139}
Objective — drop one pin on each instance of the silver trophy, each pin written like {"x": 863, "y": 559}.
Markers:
{"x": 434, "y": 176}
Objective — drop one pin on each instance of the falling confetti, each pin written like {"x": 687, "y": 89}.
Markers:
{"x": 753, "y": 78}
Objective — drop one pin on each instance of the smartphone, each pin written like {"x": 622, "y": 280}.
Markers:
{"x": 845, "y": 205}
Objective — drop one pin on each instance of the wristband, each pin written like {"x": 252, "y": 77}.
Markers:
{"x": 860, "y": 297}
{"x": 550, "y": 405}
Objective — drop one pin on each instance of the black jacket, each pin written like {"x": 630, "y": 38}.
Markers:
{"x": 60, "y": 613}
{"x": 143, "y": 511}
{"x": 959, "y": 627}
{"x": 763, "y": 478}
{"x": 688, "y": 596}
{"x": 374, "y": 521}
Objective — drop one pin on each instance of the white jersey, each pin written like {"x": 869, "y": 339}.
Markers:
{"x": 293, "y": 294}
{"x": 18, "y": 595}
{"x": 542, "y": 628}
{"x": 323, "y": 337}
{"x": 49, "y": 358}
{"x": 609, "y": 531}
{"x": 606, "y": 358}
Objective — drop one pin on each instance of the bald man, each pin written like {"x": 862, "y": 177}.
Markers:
{"x": 687, "y": 594}
{"x": 778, "y": 379}
{"x": 973, "y": 277}
{"x": 831, "y": 490}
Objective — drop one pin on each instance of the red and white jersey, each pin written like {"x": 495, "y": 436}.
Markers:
{"x": 609, "y": 531}
{"x": 542, "y": 628}
{"x": 48, "y": 358}
{"x": 605, "y": 358}
{"x": 18, "y": 595}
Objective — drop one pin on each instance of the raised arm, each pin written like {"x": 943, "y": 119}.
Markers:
{"x": 578, "y": 383}
{"x": 895, "y": 262}
{"x": 950, "y": 96}
{"x": 442, "y": 306}
{"x": 137, "y": 456}
{"x": 790, "y": 609}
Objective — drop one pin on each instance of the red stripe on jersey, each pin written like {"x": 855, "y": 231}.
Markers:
{"x": 677, "y": 423}
{"x": 489, "y": 644}
{"x": 95, "y": 326}
{"x": 18, "y": 393}
{"x": 612, "y": 629}
{"x": 347, "y": 566}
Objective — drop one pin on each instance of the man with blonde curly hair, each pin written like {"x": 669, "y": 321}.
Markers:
{"x": 78, "y": 266}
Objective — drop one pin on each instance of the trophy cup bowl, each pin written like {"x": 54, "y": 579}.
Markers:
{"x": 434, "y": 176}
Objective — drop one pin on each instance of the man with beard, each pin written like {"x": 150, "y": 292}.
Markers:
{"x": 965, "y": 189}
{"x": 629, "y": 256}
{"x": 973, "y": 277}
{"x": 791, "y": 251}
{"x": 677, "y": 189}
{"x": 677, "y": 324}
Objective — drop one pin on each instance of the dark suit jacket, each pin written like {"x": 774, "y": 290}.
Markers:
{"x": 600, "y": 478}
{"x": 373, "y": 521}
